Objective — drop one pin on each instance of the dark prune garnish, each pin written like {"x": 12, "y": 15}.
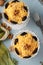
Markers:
{"x": 24, "y": 18}
{"x": 34, "y": 37}
{"x": 6, "y": 16}
{"x": 13, "y": 22}
{"x": 25, "y": 7}
{"x": 7, "y": 4}
{"x": 16, "y": 40}
{"x": 24, "y": 33}
{"x": 15, "y": 1}
{"x": 35, "y": 51}
{"x": 27, "y": 56}
{"x": 17, "y": 51}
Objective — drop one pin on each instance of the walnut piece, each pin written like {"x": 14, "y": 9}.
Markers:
{"x": 2, "y": 2}
{"x": 10, "y": 36}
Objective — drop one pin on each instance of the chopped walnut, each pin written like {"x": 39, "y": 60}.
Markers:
{"x": 26, "y": 47}
{"x": 2, "y": 2}
{"x": 8, "y": 28}
{"x": 4, "y": 25}
{"x": 16, "y": 12}
{"x": 10, "y": 36}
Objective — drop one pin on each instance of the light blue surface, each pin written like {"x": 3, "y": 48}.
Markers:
{"x": 34, "y": 6}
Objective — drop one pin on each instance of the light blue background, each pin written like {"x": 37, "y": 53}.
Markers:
{"x": 34, "y": 5}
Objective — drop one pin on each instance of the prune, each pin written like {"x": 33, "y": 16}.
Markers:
{"x": 35, "y": 51}
{"x": 16, "y": 40}
{"x": 6, "y": 16}
{"x": 15, "y": 1}
{"x": 25, "y": 8}
{"x": 24, "y": 18}
{"x": 13, "y": 22}
{"x": 27, "y": 56}
{"x": 6, "y": 5}
{"x": 17, "y": 51}
{"x": 34, "y": 37}
{"x": 24, "y": 33}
